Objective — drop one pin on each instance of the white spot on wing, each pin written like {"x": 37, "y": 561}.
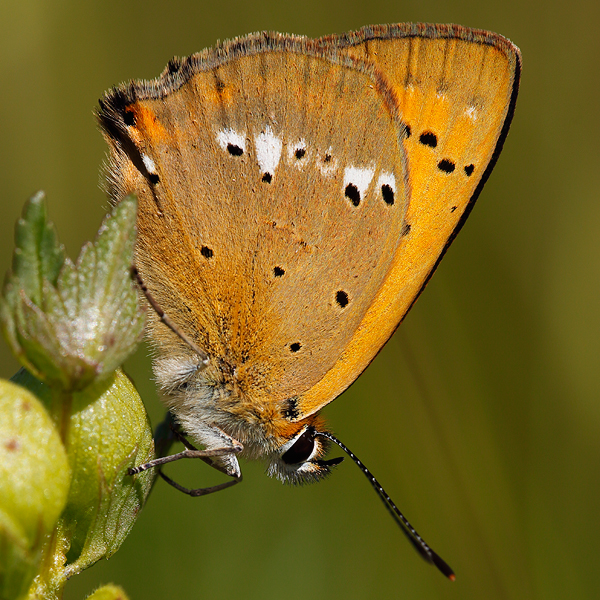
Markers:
{"x": 471, "y": 112}
{"x": 149, "y": 164}
{"x": 387, "y": 179}
{"x": 230, "y": 136}
{"x": 327, "y": 167}
{"x": 361, "y": 178}
{"x": 293, "y": 148}
{"x": 268, "y": 150}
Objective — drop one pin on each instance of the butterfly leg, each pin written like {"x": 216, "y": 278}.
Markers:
{"x": 191, "y": 452}
{"x": 221, "y": 458}
{"x": 200, "y": 491}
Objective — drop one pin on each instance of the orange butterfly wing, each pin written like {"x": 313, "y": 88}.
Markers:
{"x": 457, "y": 90}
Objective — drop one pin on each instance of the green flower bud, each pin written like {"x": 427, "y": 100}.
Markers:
{"x": 109, "y": 592}
{"x": 34, "y": 484}
{"x": 108, "y": 433}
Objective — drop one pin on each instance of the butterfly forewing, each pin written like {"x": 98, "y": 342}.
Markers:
{"x": 270, "y": 214}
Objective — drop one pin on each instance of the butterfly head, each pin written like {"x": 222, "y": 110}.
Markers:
{"x": 299, "y": 460}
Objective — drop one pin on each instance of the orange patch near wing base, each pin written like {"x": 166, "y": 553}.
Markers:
{"x": 147, "y": 125}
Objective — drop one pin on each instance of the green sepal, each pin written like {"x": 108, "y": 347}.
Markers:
{"x": 72, "y": 323}
{"x": 38, "y": 256}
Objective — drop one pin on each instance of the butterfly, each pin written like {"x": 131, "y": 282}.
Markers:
{"x": 295, "y": 196}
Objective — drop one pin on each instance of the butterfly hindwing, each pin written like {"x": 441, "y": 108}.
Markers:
{"x": 456, "y": 89}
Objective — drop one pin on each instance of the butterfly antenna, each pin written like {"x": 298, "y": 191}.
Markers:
{"x": 165, "y": 318}
{"x": 413, "y": 537}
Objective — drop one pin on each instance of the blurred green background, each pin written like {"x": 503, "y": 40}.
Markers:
{"x": 481, "y": 416}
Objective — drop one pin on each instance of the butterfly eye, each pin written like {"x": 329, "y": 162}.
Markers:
{"x": 302, "y": 448}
